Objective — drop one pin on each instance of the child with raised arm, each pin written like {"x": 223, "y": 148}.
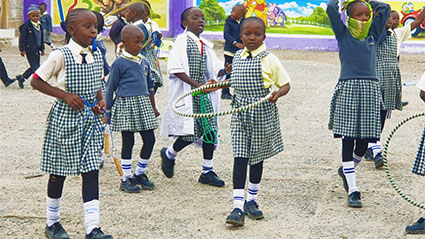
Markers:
{"x": 256, "y": 134}
{"x": 192, "y": 63}
{"x": 133, "y": 109}
{"x": 356, "y": 103}
{"x": 74, "y": 133}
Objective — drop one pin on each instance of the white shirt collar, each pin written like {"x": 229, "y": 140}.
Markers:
{"x": 132, "y": 57}
{"x": 76, "y": 49}
{"x": 138, "y": 22}
{"x": 198, "y": 39}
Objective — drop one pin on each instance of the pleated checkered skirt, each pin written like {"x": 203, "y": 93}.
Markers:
{"x": 419, "y": 164}
{"x": 133, "y": 113}
{"x": 355, "y": 109}
{"x": 388, "y": 73}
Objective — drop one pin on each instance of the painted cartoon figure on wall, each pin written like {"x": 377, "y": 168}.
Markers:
{"x": 257, "y": 7}
{"x": 275, "y": 15}
{"x": 409, "y": 15}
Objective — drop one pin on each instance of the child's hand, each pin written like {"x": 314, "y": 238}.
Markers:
{"x": 156, "y": 112}
{"x": 23, "y": 53}
{"x": 274, "y": 97}
{"x": 119, "y": 48}
{"x": 98, "y": 109}
{"x": 211, "y": 81}
{"x": 239, "y": 45}
{"x": 74, "y": 101}
{"x": 42, "y": 53}
{"x": 228, "y": 68}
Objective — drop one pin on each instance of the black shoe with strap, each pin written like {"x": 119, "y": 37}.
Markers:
{"x": 211, "y": 178}
{"x": 20, "y": 80}
{"x": 354, "y": 200}
{"x": 143, "y": 181}
{"x": 236, "y": 218}
{"x": 344, "y": 179}
{"x": 98, "y": 234}
{"x": 167, "y": 165}
{"x": 369, "y": 154}
{"x": 129, "y": 186}
{"x": 417, "y": 228}
{"x": 56, "y": 231}
{"x": 251, "y": 209}
{"x": 379, "y": 161}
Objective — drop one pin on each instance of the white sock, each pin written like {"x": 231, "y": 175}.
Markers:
{"x": 376, "y": 148}
{"x": 126, "y": 168}
{"x": 207, "y": 165}
{"x": 238, "y": 198}
{"x": 252, "y": 191}
{"x": 91, "y": 215}
{"x": 350, "y": 175}
{"x": 356, "y": 159}
{"x": 52, "y": 210}
{"x": 171, "y": 153}
{"x": 141, "y": 166}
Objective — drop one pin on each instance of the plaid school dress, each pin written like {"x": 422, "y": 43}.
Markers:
{"x": 255, "y": 132}
{"x": 419, "y": 164}
{"x": 389, "y": 73}
{"x": 74, "y": 138}
{"x": 197, "y": 71}
{"x": 134, "y": 113}
{"x": 355, "y": 110}
{"x": 152, "y": 57}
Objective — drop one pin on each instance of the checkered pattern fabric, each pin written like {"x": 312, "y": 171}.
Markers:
{"x": 355, "y": 109}
{"x": 256, "y": 132}
{"x": 152, "y": 58}
{"x": 197, "y": 71}
{"x": 133, "y": 113}
{"x": 73, "y": 139}
{"x": 389, "y": 73}
{"x": 419, "y": 165}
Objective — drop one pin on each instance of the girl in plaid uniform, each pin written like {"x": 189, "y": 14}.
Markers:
{"x": 356, "y": 103}
{"x": 389, "y": 74}
{"x": 74, "y": 133}
{"x": 133, "y": 109}
{"x": 192, "y": 63}
{"x": 256, "y": 132}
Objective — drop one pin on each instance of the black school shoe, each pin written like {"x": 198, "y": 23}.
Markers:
{"x": 251, "y": 209}
{"x": 7, "y": 82}
{"x": 344, "y": 179}
{"x": 354, "y": 200}
{"x": 20, "y": 80}
{"x": 56, "y": 231}
{"x": 167, "y": 165}
{"x": 236, "y": 218}
{"x": 98, "y": 234}
{"x": 211, "y": 178}
{"x": 129, "y": 186}
{"x": 379, "y": 161}
{"x": 417, "y": 227}
{"x": 143, "y": 181}
{"x": 369, "y": 154}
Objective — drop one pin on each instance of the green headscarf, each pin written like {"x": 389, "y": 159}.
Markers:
{"x": 358, "y": 29}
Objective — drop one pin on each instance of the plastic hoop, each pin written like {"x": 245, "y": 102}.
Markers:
{"x": 387, "y": 171}
{"x": 209, "y": 115}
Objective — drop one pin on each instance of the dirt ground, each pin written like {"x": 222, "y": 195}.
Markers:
{"x": 301, "y": 193}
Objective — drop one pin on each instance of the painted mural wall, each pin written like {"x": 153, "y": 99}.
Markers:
{"x": 306, "y": 17}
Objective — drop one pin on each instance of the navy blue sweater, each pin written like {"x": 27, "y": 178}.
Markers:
{"x": 232, "y": 33}
{"x": 29, "y": 38}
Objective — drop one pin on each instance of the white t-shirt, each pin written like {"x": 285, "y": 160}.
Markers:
{"x": 421, "y": 83}
{"x": 402, "y": 34}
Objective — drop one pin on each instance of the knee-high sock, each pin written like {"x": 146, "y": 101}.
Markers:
{"x": 238, "y": 198}
{"x": 91, "y": 215}
{"x": 350, "y": 175}
{"x": 52, "y": 210}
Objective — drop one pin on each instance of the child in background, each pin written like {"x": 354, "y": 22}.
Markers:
{"x": 3, "y": 73}
{"x": 232, "y": 38}
{"x": 256, "y": 134}
{"x": 356, "y": 103}
{"x": 99, "y": 41}
{"x": 389, "y": 74}
{"x": 133, "y": 109}
{"x": 151, "y": 48}
{"x": 31, "y": 42}
{"x": 192, "y": 63}
{"x": 74, "y": 133}
{"x": 419, "y": 165}
{"x": 134, "y": 15}
{"x": 46, "y": 24}
{"x": 115, "y": 32}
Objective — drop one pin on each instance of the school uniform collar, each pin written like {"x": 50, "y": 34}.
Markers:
{"x": 36, "y": 24}
{"x": 198, "y": 39}
{"x": 138, "y": 22}
{"x": 255, "y": 52}
{"x": 44, "y": 13}
{"x": 132, "y": 57}
{"x": 76, "y": 49}
{"x": 391, "y": 31}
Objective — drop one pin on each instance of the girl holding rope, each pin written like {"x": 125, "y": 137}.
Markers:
{"x": 192, "y": 63}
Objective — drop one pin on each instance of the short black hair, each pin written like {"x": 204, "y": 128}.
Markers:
{"x": 254, "y": 19}
{"x": 138, "y": 7}
{"x": 350, "y": 7}
{"x": 43, "y": 3}
{"x": 100, "y": 21}
{"x": 72, "y": 15}
{"x": 184, "y": 15}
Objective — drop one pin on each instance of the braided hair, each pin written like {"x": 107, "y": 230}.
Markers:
{"x": 184, "y": 15}
{"x": 72, "y": 15}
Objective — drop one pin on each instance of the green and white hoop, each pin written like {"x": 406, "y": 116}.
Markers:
{"x": 199, "y": 90}
{"x": 387, "y": 171}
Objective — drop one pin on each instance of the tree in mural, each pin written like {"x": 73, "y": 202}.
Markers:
{"x": 212, "y": 11}
{"x": 318, "y": 16}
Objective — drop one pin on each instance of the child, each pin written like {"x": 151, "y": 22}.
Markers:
{"x": 151, "y": 48}
{"x": 99, "y": 41}
{"x": 74, "y": 135}
{"x": 233, "y": 40}
{"x": 46, "y": 24}
{"x": 355, "y": 106}
{"x": 133, "y": 109}
{"x": 389, "y": 74}
{"x": 256, "y": 132}
{"x": 115, "y": 32}
{"x": 134, "y": 15}
{"x": 31, "y": 42}
{"x": 192, "y": 62}
{"x": 419, "y": 168}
